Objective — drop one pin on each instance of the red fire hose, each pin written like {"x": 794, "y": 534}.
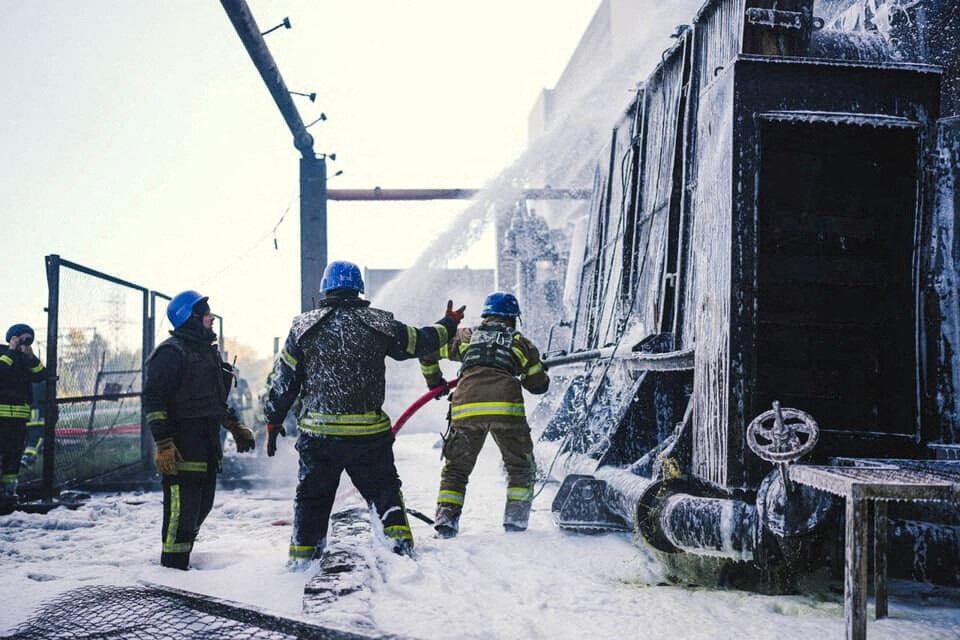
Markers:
{"x": 422, "y": 400}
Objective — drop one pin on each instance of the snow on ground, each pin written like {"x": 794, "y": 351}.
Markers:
{"x": 544, "y": 583}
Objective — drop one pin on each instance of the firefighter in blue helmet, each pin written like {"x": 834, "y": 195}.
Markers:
{"x": 333, "y": 360}
{"x": 185, "y": 391}
{"x": 19, "y": 368}
{"x": 497, "y": 363}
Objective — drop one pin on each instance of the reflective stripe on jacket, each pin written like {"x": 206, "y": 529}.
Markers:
{"x": 18, "y": 372}
{"x": 333, "y": 362}
{"x": 488, "y": 392}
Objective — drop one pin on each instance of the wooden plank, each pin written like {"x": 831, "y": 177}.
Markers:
{"x": 807, "y": 349}
{"x": 854, "y": 383}
{"x": 787, "y": 221}
{"x": 808, "y": 269}
{"x": 880, "y": 558}
{"x": 825, "y": 302}
{"x": 855, "y": 572}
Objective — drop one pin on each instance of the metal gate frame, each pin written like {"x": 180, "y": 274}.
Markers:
{"x": 54, "y": 264}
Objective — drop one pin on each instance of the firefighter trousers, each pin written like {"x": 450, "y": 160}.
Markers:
{"x": 368, "y": 460}
{"x": 12, "y": 434}
{"x": 187, "y": 501}
{"x": 462, "y": 448}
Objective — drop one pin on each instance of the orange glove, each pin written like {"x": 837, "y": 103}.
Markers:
{"x": 274, "y": 430}
{"x": 167, "y": 457}
{"x": 456, "y": 314}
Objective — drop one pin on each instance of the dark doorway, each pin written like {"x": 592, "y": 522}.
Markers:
{"x": 836, "y": 309}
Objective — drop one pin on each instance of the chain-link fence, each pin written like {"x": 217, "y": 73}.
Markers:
{"x": 88, "y": 418}
{"x": 90, "y": 404}
{"x": 151, "y": 612}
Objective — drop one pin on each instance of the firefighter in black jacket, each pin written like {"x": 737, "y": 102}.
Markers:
{"x": 19, "y": 368}
{"x": 333, "y": 359}
{"x": 184, "y": 394}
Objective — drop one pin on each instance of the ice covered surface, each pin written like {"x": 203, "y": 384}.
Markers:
{"x": 544, "y": 583}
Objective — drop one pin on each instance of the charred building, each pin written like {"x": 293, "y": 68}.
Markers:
{"x": 768, "y": 273}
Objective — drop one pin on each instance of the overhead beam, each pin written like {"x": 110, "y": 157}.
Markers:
{"x": 448, "y": 194}
{"x": 313, "y": 169}
{"x": 243, "y": 21}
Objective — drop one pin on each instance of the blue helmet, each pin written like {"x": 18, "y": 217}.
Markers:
{"x": 341, "y": 274}
{"x": 501, "y": 304}
{"x": 18, "y": 330}
{"x": 181, "y": 307}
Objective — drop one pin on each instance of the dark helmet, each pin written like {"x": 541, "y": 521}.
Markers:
{"x": 341, "y": 274}
{"x": 181, "y": 307}
{"x": 501, "y": 304}
{"x": 19, "y": 330}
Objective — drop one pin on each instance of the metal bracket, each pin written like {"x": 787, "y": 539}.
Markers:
{"x": 775, "y": 19}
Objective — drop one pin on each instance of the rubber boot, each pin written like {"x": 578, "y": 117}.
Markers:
{"x": 179, "y": 561}
{"x": 298, "y": 563}
{"x": 7, "y": 505}
{"x": 516, "y": 514}
{"x": 28, "y": 458}
{"x": 403, "y": 547}
{"x": 8, "y": 498}
{"x": 447, "y": 522}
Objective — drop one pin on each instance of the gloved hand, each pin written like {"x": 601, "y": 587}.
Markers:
{"x": 274, "y": 430}
{"x": 27, "y": 459}
{"x": 442, "y": 383}
{"x": 167, "y": 457}
{"x": 456, "y": 314}
{"x": 242, "y": 435}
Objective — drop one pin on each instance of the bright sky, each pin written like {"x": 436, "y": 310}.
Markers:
{"x": 139, "y": 139}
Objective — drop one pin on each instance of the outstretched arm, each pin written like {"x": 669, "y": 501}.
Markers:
{"x": 533, "y": 377}
{"x": 410, "y": 342}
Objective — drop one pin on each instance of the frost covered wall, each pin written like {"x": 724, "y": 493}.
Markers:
{"x": 925, "y": 31}
{"x": 945, "y": 252}
{"x": 691, "y": 272}
{"x": 710, "y": 293}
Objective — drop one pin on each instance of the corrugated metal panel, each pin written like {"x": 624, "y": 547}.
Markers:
{"x": 584, "y": 336}
{"x": 661, "y": 121}
{"x": 720, "y": 27}
{"x": 611, "y": 311}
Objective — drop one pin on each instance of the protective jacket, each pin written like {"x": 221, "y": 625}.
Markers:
{"x": 18, "y": 372}
{"x": 185, "y": 392}
{"x": 333, "y": 359}
{"x": 498, "y": 363}
{"x": 333, "y": 362}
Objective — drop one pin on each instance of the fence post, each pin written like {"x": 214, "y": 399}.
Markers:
{"x": 52, "y": 411}
{"x": 146, "y": 440}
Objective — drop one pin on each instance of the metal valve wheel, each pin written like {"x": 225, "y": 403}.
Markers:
{"x": 782, "y": 434}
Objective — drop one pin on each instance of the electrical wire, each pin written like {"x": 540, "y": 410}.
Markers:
{"x": 255, "y": 245}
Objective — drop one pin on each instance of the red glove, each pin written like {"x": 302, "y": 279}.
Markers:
{"x": 456, "y": 314}
{"x": 274, "y": 430}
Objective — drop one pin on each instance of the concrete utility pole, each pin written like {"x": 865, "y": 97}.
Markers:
{"x": 313, "y": 169}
